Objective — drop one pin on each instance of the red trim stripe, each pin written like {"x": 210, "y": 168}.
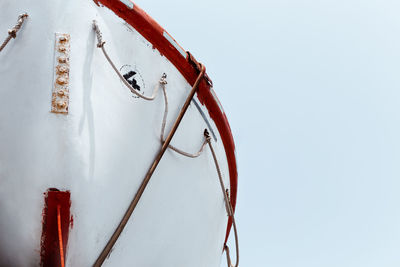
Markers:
{"x": 153, "y": 32}
{"x": 55, "y": 231}
{"x": 60, "y": 240}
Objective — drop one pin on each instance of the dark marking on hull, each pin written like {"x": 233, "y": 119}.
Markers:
{"x": 131, "y": 80}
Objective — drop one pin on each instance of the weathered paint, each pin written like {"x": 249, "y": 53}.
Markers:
{"x": 128, "y": 3}
{"x": 60, "y": 94}
{"x": 175, "y": 44}
{"x": 50, "y": 250}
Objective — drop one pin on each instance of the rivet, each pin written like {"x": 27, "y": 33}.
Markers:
{"x": 62, "y": 69}
{"x": 61, "y": 104}
{"x": 62, "y": 49}
{"x": 61, "y": 80}
{"x": 62, "y": 60}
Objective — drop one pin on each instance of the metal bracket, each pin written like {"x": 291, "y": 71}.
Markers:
{"x": 60, "y": 94}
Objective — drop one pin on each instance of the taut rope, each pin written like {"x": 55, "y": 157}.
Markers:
{"x": 13, "y": 32}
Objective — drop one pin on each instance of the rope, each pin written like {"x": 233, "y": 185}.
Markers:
{"x": 60, "y": 241}
{"x": 165, "y": 144}
{"x": 228, "y": 205}
{"x": 107, "y": 249}
{"x": 100, "y": 44}
{"x": 163, "y": 82}
{"x": 13, "y": 32}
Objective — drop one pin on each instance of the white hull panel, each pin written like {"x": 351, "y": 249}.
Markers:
{"x": 101, "y": 150}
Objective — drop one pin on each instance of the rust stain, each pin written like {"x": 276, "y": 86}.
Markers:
{"x": 60, "y": 94}
{"x": 50, "y": 247}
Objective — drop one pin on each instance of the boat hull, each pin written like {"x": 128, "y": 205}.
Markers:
{"x": 100, "y": 151}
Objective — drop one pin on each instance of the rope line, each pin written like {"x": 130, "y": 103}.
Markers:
{"x": 162, "y": 83}
{"x": 107, "y": 249}
{"x": 165, "y": 145}
{"x": 177, "y": 150}
{"x": 12, "y": 33}
{"x": 228, "y": 205}
{"x": 100, "y": 44}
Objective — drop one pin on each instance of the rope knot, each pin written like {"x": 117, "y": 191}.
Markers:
{"x": 100, "y": 45}
{"x": 23, "y": 16}
{"x": 100, "y": 42}
{"x": 163, "y": 79}
{"x": 207, "y": 135}
{"x": 12, "y": 33}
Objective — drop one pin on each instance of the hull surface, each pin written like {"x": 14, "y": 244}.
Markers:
{"x": 101, "y": 149}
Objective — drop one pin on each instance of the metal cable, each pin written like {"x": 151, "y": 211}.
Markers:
{"x": 228, "y": 205}
{"x": 100, "y": 44}
{"x": 13, "y": 32}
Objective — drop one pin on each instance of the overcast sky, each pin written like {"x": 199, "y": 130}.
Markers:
{"x": 312, "y": 93}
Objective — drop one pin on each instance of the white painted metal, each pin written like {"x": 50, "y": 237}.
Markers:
{"x": 102, "y": 148}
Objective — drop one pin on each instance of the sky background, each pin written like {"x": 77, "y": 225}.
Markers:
{"x": 312, "y": 93}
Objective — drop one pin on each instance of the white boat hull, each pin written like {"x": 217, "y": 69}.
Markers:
{"x": 100, "y": 151}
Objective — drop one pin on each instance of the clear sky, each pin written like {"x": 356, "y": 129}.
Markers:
{"x": 312, "y": 93}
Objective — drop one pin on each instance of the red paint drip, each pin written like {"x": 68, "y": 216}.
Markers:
{"x": 56, "y": 224}
{"x": 153, "y": 32}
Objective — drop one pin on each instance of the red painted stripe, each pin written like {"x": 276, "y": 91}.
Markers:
{"x": 55, "y": 230}
{"x": 153, "y": 32}
{"x": 60, "y": 239}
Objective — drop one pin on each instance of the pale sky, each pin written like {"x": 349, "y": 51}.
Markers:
{"x": 312, "y": 93}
